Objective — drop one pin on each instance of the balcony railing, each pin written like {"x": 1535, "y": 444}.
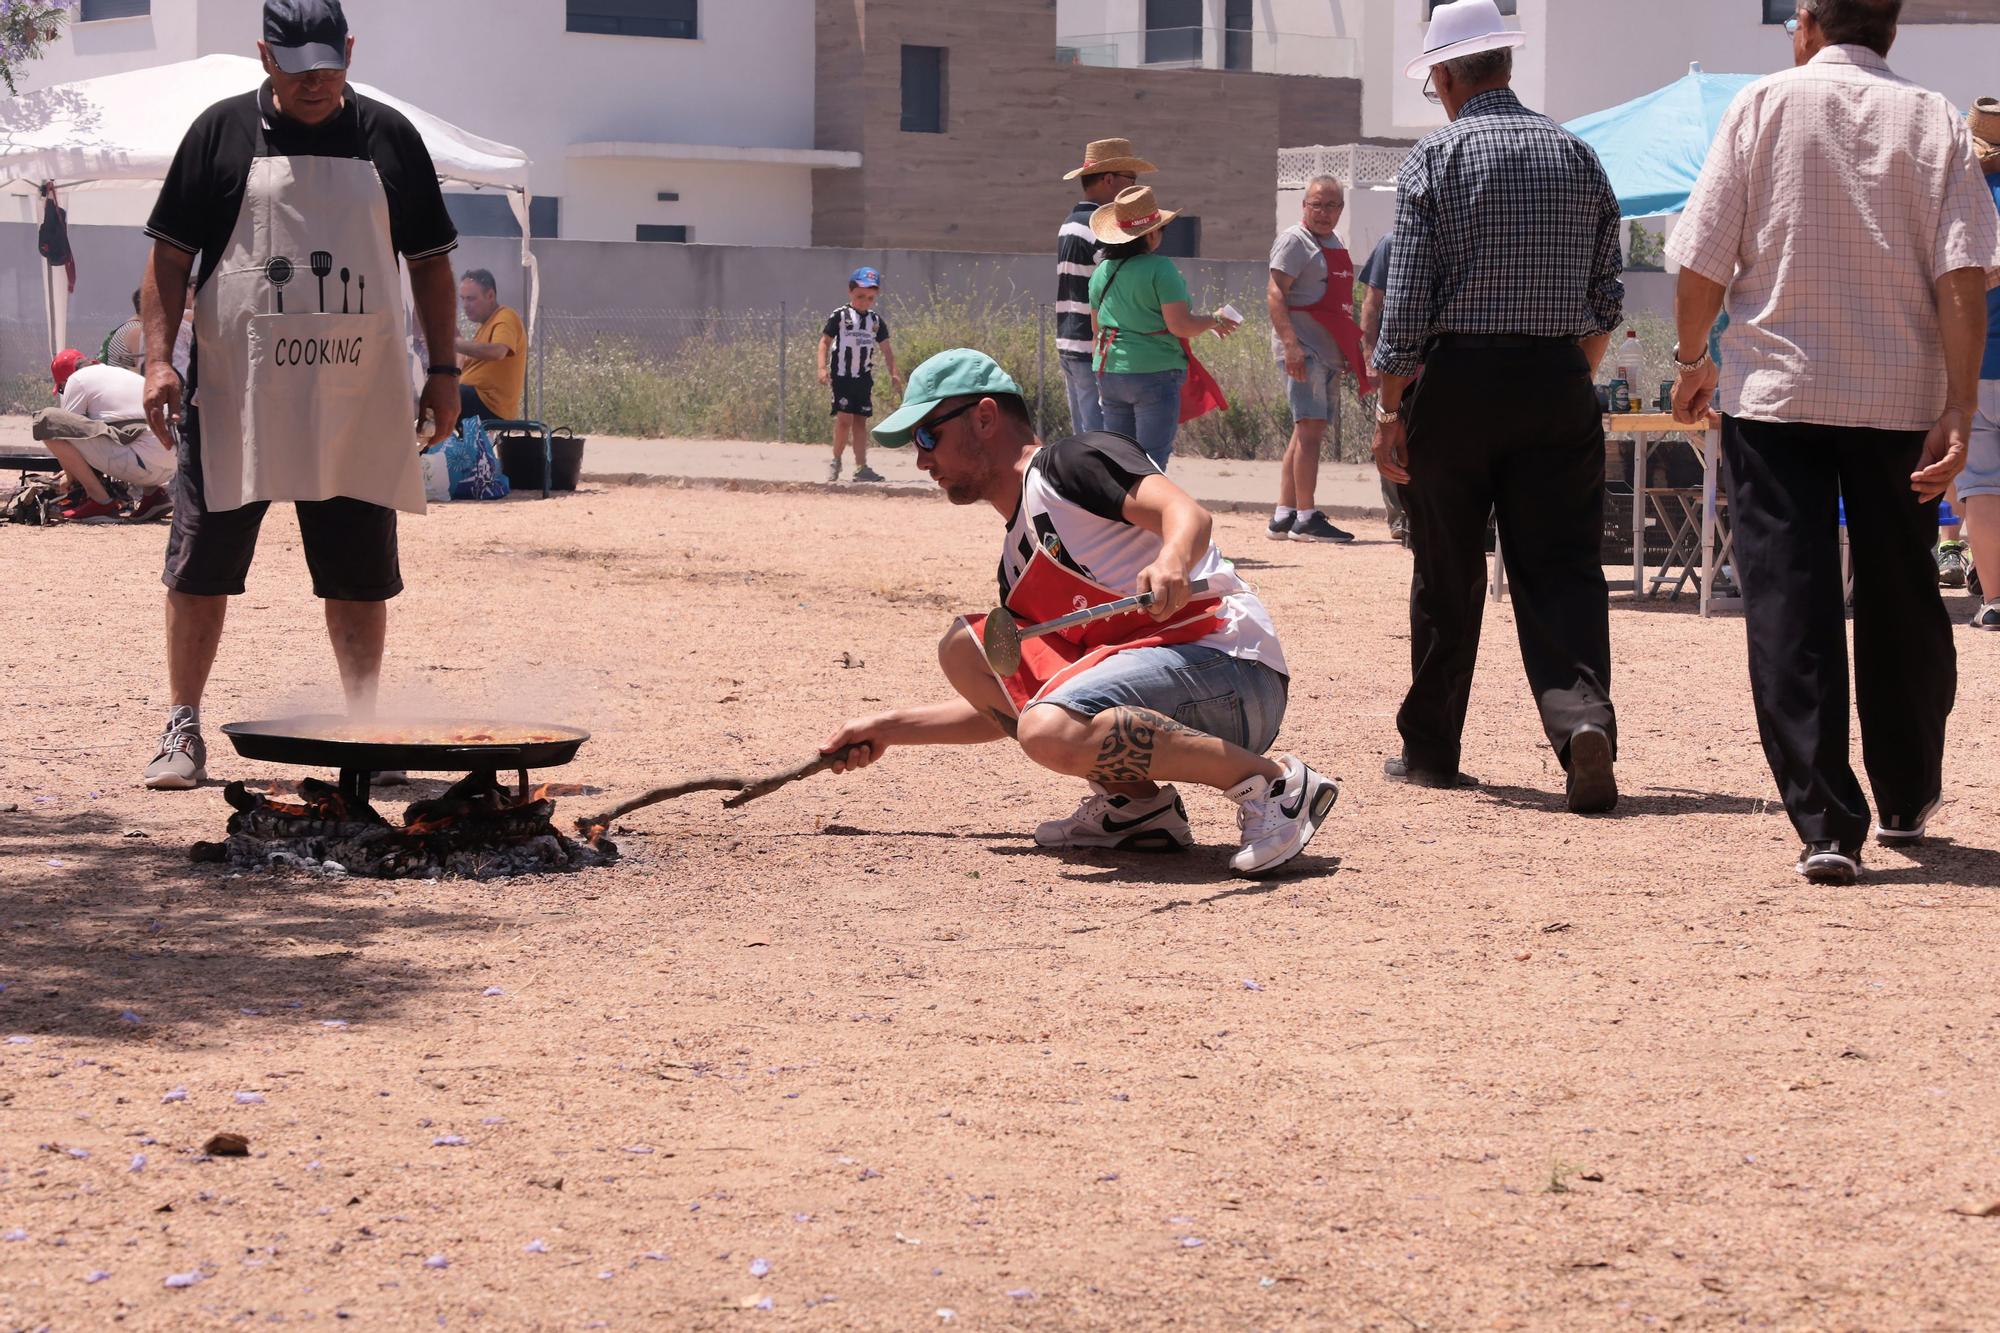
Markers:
{"x": 1248, "y": 50}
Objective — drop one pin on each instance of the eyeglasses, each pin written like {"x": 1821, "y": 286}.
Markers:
{"x": 1431, "y": 94}
{"x": 1333, "y": 207}
{"x": 925, "y": 433}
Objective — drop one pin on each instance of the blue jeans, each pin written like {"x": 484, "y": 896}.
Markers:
{"x": 1146, "y": 408}
{"x": 1085, "y": 412}
{"x": 1205, "y": 688}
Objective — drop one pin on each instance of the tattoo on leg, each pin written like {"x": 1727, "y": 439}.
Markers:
{"x": 1126, "y": 754}
{"x": 1008, "y": 725}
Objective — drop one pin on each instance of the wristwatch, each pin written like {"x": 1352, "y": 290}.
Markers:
{"x": 1384, "y": 418}
{"x": 453, "y": 371}
{"x": 1689, "y": 367}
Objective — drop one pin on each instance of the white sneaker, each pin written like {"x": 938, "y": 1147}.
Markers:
{"x": 1279, "y": 818}
{"x": 1127, "y": 823}
{"x": 182, "y": 762}
{"x": 1892, "y": 831}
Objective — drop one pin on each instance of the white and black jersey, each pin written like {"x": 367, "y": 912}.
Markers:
{"x": 1072, "y": 510}
{"x": 855, "y": 334}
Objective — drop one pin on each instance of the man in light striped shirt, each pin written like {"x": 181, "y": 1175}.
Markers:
{"x": 1109, "y": 165}
{"x": 1842, "y": 211}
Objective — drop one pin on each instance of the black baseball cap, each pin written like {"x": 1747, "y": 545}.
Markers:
{"x": 305, "y": 35}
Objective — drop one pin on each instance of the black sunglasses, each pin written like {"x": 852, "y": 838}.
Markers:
{"x": 925, "y": 433}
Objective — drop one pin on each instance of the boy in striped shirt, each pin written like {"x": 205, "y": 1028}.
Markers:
{"x": 847, "y": 347}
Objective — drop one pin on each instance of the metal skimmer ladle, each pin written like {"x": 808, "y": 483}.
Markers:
{"x": 1003, "y": 634}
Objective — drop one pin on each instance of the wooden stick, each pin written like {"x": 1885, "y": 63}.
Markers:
{"x": 746, "y": 789}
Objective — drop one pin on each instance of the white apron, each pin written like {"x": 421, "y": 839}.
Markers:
{"x": 305, "y": 389}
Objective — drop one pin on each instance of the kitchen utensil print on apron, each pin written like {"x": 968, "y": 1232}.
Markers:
{"x": 305, "y": 405}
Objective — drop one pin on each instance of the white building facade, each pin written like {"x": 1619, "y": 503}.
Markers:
{"x": 669, "y": 120}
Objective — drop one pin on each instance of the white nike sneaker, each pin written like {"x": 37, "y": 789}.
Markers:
{"x": 1127, "y": 823}
{"x": 1278, "y": 818}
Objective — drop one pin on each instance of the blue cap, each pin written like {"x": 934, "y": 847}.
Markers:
{"x": 865, "y": 277}
{"x": 305, "y": 35}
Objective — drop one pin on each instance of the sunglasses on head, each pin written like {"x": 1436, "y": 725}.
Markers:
{"x": 925, "y": 433}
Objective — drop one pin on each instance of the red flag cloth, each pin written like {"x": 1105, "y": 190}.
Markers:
{"x": 53, "y": 239}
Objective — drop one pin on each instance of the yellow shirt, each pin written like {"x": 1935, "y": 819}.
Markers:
{"x": 499, "y": 382}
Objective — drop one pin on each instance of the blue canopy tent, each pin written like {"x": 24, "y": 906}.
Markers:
{"x": 1652, "y": 147}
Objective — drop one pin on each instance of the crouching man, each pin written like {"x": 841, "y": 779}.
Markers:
{"x": 1192, "y": 689}
{"x": 98, "y": 430}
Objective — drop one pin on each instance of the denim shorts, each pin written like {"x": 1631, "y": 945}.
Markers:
{"x": 1312, "y": 398}
{"x": 1982, "y": 460}
{"x": 1238, "y": 701}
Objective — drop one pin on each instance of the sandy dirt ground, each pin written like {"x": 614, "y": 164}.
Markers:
{"x": 860, "y": 1056}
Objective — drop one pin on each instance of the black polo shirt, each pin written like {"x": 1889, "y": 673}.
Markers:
{"x": 203, "y": 193}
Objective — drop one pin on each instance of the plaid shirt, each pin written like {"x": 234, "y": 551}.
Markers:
{"x": 1834, "y": 197}
{"x": 1505, "y": 223}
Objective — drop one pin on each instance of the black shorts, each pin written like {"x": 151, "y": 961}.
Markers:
{"x": 854, "y": 395}
{"x": 350, "y": 544}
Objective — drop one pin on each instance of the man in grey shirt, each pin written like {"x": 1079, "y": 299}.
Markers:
{"x": 1313, "y": 335}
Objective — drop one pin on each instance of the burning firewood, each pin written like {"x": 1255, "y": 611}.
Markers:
{"x": 746, "y": 789}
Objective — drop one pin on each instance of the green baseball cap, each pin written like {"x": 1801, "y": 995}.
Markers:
{"x": 957, "y": 373}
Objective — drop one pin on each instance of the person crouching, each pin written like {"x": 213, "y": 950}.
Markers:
{"x": 1191, "y": 689}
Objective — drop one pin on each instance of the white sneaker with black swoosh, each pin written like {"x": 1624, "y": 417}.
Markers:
{"x": 1279, "y": 816}
{"x": 1126, "y": 823}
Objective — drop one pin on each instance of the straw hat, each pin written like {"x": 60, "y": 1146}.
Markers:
{"x": 1984, "y": 118}
{"x": 1110, "y": 155}
{"x": 1462, "y": 28}
{"x": 1133, "y": 214}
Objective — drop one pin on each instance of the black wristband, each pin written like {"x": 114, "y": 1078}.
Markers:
{"x": 453, "y": 371}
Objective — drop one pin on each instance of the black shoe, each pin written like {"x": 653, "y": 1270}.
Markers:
{"x": 1279, "y": 529}
{"x": 1593, "y": 787}
{"x": 1829, "y": 863}
{"x": 1398, "y": 769}
{"x": 1317, "y": 529}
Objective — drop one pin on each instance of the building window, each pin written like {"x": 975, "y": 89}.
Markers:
{"x": 636, "y": 18}
{"x": 1173, "y": 32}
{"x": 1237, "y": 27}
{"x": 493, "y": 215}
{"x": 93, "y": 10}
{"x": 1780, "y": 11}
{"x": 1506, "y": 6}
{"x": 652, "y": 231}
{"x": 1181, "y": 238}
{"x": 923, "y": 89}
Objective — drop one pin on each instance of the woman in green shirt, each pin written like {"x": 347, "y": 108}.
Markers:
{"x": 1139, "y": 309}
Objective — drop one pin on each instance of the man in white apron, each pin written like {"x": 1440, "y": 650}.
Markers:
{"x": 1192, "y": 689}
{"x": 296, "y": 201}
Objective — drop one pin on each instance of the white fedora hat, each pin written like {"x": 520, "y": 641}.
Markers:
{"x": 1463, "y": 28}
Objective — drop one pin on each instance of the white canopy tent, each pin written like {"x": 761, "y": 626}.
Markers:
{"x": 119, "y": 132}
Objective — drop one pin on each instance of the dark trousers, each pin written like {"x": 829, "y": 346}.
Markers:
{"x": 469, "y": 404}
{"x": 1512, "y": 431}
{"x": 1785, "y": 482}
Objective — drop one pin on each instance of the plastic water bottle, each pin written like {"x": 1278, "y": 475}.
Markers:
{"x": 1631, "y": 363}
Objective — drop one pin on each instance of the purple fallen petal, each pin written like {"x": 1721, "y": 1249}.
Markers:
{"x": 1250, "y": 985}
{"x": 759, "y": 1267}
{"x": 536, "y": 1246}
{"x": 249, "y": 1098}
{"x": 437, "y": 1261}
{"x": 1021, "y": 1294}
{"x": 448, "y": 1141}
{"x": 95, "y": 1275}
{"x": 175, "y": 1095}
{"x": 493, "y": 990}
{"x": 767, "y": 1304}
{"x": 138, "y": 1162}
{"x": 1192, "y": 1242}
{"x": 185, "y": 1279}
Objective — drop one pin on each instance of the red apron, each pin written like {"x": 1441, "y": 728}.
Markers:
{"x": 1334, "y": 312}
{"x": 1200, "y": 394}
{"x": 1047, "y": 590}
